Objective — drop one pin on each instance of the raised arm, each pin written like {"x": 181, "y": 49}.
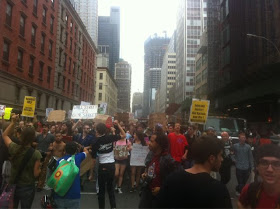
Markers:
{"x": 9, "y": 129}
{"x": 122, "y": 133}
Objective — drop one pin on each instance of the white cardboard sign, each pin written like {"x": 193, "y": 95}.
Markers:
{"x": 138, "y": 155}
{"x": 84, "y": 111}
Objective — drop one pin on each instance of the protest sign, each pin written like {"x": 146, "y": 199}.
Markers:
{"x": 48, "y": 110}
{"x": 102, "y": 108}
{"x": 121, "y": 152}
{"x": 84, "y": 112}
{"x": 2, "y": 110}
{"x": 106, "y": 119}
{"x": 85, "y": 103}
{"x": 86, "y": 165}
{"x": 138, "y": 155}
{"x": 56, "y": 116}
{"x": 8, "y": 111}
{"x": 199, "y": 111}
{"x": 29, "y": 106}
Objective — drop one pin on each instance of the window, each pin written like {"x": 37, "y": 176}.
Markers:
{"x": 62, "y": 11}
{"x": 63, "y": 83}
{"x": 101, "y": 76}
{"x": 6, "y": 51}
{"x": 20, "y": 58}
{"x": 66, "y": 19}
{"x": 58, "y": 80}
{"x": 70, "y": 61}
{"x": 71, "y": 26}
{"x": 44, "y": 15}
{"x": 61, "y": 33}
{"x": 100, "y": 86}
{"x": 74, "y": 68}
{"x": 33, "y": 35}
{"x": 50, "y": 48}
{"x": 43, "y": 42}
{"x": 31, "y": 65}
{"x": 51, "y": 23}
{"x": 49, "y": 74}
{"x": 35, "y": 6}
{"x": 68, "y": 85}
{"x": 9, "y": 11}
{"x": 75, "y": 49}
{"x": 71, "y": 44}
{"x": 100, "y": 96}
{"x": 41, "y": 71}
{"x": 22, "y": 25}
{"x": 65, "y": 60}
{"x": 73, "y": 86}
{"x": 76, "y": 32}
{"x": 60, "y": 56}
{"x": 66, "y": 39}
{"x": 52, "y": 3}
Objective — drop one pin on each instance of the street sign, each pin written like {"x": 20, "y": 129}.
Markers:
{"x": 199, "y": 111}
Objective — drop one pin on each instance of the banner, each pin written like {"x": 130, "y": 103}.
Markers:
{"x": 84, "y": 111}
{"x": 102, "y": 108}
{"x": 29, "y": 106}
{"x": 2, "y": 110}
{"x": 48, "y": 110}
{"x": 138, "y": 155}
{"x": 199, "y": 111}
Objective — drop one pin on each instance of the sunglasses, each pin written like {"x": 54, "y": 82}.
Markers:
{"x": 266, "y": 163}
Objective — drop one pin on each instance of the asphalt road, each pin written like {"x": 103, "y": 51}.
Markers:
{"x": 125, "y": 200}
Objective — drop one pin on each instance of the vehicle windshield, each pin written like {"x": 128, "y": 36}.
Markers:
{"x": 230, "y": 125}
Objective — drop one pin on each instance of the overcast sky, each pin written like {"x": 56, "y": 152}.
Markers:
{"x": 139, "y": 20}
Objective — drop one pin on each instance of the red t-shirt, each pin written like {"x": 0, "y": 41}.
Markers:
{"x": 178, "y": 145}
{"x": 155, "y": 171}
{"x": 265, "y": 200}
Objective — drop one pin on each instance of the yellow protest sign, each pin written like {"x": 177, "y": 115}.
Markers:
{"x": 199, "y": 111}
{"x": 29, "y": 106}
{"x": 8, "y": 111}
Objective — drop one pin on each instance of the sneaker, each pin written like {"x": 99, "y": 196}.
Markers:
{"x": 237, "y": 193}
{"x": 116, "y": 188}
{"x": 132, "y": 190}
{"x": 120, "y": 190}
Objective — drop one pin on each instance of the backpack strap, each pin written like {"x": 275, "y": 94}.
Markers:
{"x": 253, "y": 194}
{"x": 24, "y": 163}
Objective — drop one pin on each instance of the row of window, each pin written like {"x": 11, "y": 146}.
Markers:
{"x": 171, "y": 67}
{"x": 172, "y": 72}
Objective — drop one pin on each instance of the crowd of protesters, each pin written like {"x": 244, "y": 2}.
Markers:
{"x": 178, "y": 171}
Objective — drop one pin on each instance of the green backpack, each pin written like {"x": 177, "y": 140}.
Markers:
{"x": 63, "y": 177}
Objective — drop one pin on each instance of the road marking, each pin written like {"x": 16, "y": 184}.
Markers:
{"x": 88, "y": 193}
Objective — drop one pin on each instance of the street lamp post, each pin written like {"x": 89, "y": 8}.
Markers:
{"x": 261, "y": 37}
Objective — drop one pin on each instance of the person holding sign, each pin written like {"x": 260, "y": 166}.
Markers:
{"x": 106, "y": 171}
{"x": 139, "y": 140}
{"x": 122, "y": 148}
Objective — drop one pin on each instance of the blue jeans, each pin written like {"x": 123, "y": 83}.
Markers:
{"x": 25, "y": 196}
{"x": 67, "y": 203}
{"x": 242, "y": 178}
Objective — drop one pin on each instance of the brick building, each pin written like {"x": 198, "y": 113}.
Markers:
{"x": 32, "y": 55}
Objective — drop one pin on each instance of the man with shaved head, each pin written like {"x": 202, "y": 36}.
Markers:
{"x": 227, "y": 162}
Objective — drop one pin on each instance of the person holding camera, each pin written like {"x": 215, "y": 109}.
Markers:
{"x": 159, "y": 164}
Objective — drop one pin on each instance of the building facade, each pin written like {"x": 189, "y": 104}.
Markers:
{"x": 31, "y": 30}
{"x": 109, "y": 37}
{"x": 88, "y": 11}
{"x": 155, "y": 48}
{"x": 201, "y": 69}
{"x": 123, "y": 80}
{"x": 137, "y": 101}
{"x": 106, "y": 90}
{"x": 191, "y": 21}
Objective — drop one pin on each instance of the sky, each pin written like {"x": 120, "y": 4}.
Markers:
{"x": 139, "y": 20}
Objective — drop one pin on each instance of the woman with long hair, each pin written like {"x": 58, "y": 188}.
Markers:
{"x": 24, "y": 179}
{"x": 136, "y": 170}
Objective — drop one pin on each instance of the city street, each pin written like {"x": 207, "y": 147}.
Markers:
{"x": 125, "y": 200}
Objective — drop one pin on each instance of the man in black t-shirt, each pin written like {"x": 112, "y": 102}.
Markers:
{"x": 106, "y": 170}
{"x": 194, "y": 187}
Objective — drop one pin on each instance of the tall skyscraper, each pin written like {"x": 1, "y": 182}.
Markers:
{"x": 88, "y": 11}
{"x": 109, "y": 37}
{"x": 155, "y": 48}
{"x": 123, "y": 80}
{"x": 191, "y": 21}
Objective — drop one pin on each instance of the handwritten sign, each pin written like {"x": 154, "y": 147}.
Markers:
{"x": 138, "y": 155}
{"x": 121, "y": 152}
{"x": 29, "y": 106}
{"x": 2, "y": 110}
{"x": 8, "y": 111}
{"x": 84, "y": 111}
{"x": 48, "y": 110}
{"x": 199, "y": 111}
{"x": 102, "y": 108}
{"x": 56, "y": 116}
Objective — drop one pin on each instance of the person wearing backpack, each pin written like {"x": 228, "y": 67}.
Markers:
{"x": 72, "y": 197}
{"x": 25, "y": 164}
{"x": 264, "y": 193}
